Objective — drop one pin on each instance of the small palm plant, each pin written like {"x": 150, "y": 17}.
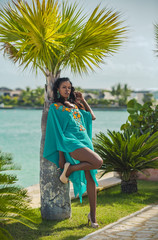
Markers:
{"x": 127, "y": 155}
{"x": 14, "y": 202}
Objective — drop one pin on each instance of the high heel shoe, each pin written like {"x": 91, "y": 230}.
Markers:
{"x": 93, "y": 225}
{"x": 63, "y": 177}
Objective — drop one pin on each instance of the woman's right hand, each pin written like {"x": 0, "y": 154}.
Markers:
{"x": 62, "y": 160}
{"x": 79, "y": 96}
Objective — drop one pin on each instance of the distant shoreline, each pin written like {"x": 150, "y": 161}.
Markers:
{"x": 95, "y": 107}
{"x": 25, "y": 108}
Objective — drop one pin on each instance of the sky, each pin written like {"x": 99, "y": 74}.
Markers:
{"x": 135, "y": 64}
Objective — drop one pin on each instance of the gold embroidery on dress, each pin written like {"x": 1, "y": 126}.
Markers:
{"x": 76, "y": 115}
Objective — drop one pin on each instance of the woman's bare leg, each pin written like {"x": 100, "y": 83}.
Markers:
{"x": 92, "y": 195}
{"x": 88, "y": 160}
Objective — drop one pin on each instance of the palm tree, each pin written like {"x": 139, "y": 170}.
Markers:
{"x": 127, "y": 155}
{"x": 14, "y": 202}
{"x": 116, "y": 91}
{"x": 121, "y": 93}
{"x": 39, "y": 96}
{"x": 50, "y": 37}
{"x": 126, "y": 92}
{"x": 148, "y": 97}
{"x": 156, "y": 36}
{"x": 27, "y": 97}
{"x": 33, "y": 97}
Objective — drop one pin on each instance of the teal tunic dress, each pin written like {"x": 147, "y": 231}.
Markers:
{"x": 67, "y": 130}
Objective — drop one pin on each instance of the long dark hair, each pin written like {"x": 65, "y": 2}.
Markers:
{"x": 61, "y": 99}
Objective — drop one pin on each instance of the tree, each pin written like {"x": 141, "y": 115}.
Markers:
{"x": 122, "y": 93}
{"x": 6, "y": 100}
{"x": 39, "y": 96}
{"x": 50, "y": 37}
{"x": 156, "y": 37}
{"x": 126, "y": 92}
{"x": 148, "y": 97}
{"x": 79, "y": 89}
{"x": 116, "y": 91}
{"x": 33, "y": 97}
{"x": 27, "y": 98}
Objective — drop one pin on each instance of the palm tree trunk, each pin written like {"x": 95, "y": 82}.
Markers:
{"x": 55, "y": 199}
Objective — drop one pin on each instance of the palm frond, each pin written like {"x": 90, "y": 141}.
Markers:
{"x": 4, "y": 234}
{"x": 46, "y": 36}
{"x": 33, "y": 32}
{"x": 156, "y": 37}
{"x": 102, "y": 35}
{"x": 126, "y": 155}
{"x": 14, "y": 201}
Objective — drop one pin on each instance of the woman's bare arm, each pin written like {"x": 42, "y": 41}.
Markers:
{"x": 61, "y": 160}
{"x": 88, "y": 108}
{"x": 80, "y": 97}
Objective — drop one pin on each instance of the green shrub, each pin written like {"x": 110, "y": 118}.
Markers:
{"x": 142, "y": 118}
{"x": 14, "y": 201}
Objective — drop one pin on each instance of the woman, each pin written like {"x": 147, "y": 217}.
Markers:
{"x": 68, "y": 142}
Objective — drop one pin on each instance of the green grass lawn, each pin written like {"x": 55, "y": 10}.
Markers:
{"x": 111, "y": 206}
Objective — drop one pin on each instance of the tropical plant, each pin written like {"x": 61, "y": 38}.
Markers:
{"x": 51, "y": 37}
{"x": 26, "y": 97}
{"x": 79, "y": 89}
{"x": 14, "y": 101}
{"x": 96, "y": 92}
{"x": 148, "y": 97}
{"x": 122, "y": 93}
{"x": 6, "y": 100}
{"x": 14, "y": 201}
{"x": 32, "y": 97}
{"x": 104, "y": 102}
{"x": 116, "y": 91}
{"x": 156, "y": 37}
{"x": 126, "y": 92}
{"x": 92, "y": 101}
{"x": 142, "y": 118}
{"x": 39, "y": 96}
{"x": 127, "y": 155}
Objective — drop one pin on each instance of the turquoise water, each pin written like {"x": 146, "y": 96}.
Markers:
{"x": 20, "y": 134}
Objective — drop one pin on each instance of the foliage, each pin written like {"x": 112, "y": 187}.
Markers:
{"x": 148, "y": 97}
{"x": 127, "y": 155}
{"x": 93, "y": 101}
{"x": 14, "y": 202}
{"x": 122, "y": 93}
{"x": 104, "y": 101}
{"x": 96, "y": 92}
{"x": 116, "y": 91}
{"x": 28, "y": 97}
{"x": 79, "y": 89}
{"x": 50, "y": 36}
{"x": 33, "y": 97}
{"x": 5, "y": 99}
{"x": 156, "y": 37}
{"x": 142, "y": 118}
